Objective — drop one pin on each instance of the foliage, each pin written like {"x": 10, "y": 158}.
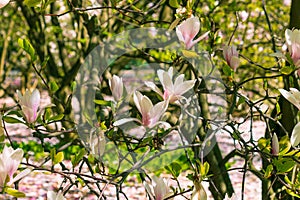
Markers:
{"x": 183, "y": 93}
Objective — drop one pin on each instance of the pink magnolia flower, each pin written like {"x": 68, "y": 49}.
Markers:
{"x": 151, "y": 114}
{"x": 173, "y": 91}
{"x": 159, "y": 190}
{"x": 116, "y": 87}
{"x": 30, "y": 103}
{"x": 231, "y": 56}
{"x": 293, "y": 43}
{"x": 187, "y": 31}
{"x": 10, "y": 160}
{"x": 3, "y": 3}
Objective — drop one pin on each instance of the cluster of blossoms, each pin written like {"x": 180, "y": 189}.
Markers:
{"x": 151, "y": 114}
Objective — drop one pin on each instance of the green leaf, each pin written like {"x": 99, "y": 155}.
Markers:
{"x": 284, "y": 165}
{"x": 227, "y": 70}
{"x": 189, "y": 54}
{"x": 12, "y": 120}
{"x": 32, "y": 3}
{"x": 13, "y": 192}
{"x": 174, "y": 168}
{"x": 102, "y": 102}
{"x": 268, "y": 172}
{"x": 58, "y": 157}
{"x": 53, "y": 86}
{"x": 264, "y": 145}
{"x": 78, "y": 157}
{"x": 174, "y": 23}
{"x": 204, "y": 168}
{"x": 56, "y": 117}
{"x": 284, "y": 145}
{"x": 286, "y": 70}
{"x": 174, "y": 3}
{"x": 25, "y": 44}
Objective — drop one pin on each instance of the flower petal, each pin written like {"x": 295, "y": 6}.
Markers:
{"x": 295, "y": 137}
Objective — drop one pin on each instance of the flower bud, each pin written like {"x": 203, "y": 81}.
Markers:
{"x": 30, "y": 103}
{"x": 275, "y": 145}
{"x": 116, "y": 87}
{"x": 231, "y": 56}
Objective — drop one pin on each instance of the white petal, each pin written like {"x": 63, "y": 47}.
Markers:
{"x": 125, "y": 120}
{"x": 21, "y": 175}
{"x": 290, "y": 97}
{"x": 295, "y": 137}
{"x": 184, "y": 87}
{"x": 3, "y": 3}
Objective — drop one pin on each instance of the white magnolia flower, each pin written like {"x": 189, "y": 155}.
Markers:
{"x": 231, "y": 56}
{"x": 293, "y": 96}
{"x": 173, "y": 91}
{"x": 3, "y": 3}
{"x": 30, "y": 103}
{"x": 187, "y": 31}
{"x": 159, "y": 190}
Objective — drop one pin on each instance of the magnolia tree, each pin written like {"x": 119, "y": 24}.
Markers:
{"x": 143, "y": 91}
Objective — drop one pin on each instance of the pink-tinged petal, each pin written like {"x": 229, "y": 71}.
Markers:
{"x": 21, "y": 175}
{"x": 3, "y": 3}
{"x": 157, "y": 111}
{"x": 295, "y": 137}
{"x": 179, "y": 80}
{"x": 116, "y": 87}
{"x": 294, "y": 99}
{"x": 293, "y": 42}
{"x": 125, "y": 120}
{"x": 184, "y": 87}
{"x": 275, "y": 145}
{"x": 35, "y": 99}
{"x": 144, "y": 105}
{"x": 234, "y": 62}
{"x": 167, "y": 82}
{"x": 153, "y": 87}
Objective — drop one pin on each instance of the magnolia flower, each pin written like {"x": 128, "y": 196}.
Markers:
{"x": 51, "y": 195}
{"x": 187, "y": 31}
{"x": 295, "y": 137}
{"x": 30, "y": 102}
{"x": 150, "y": 113}
{"x": 172, "y": 91}
{"x": 293, "y": 96}
{"x": 198, "y": 192}
{"x": 159, "y": 190}
{"x": 10, "y": 160}
{"x": 3, "y": 3}
{"x": 275, "y": 145}
{"x": 97, "y": 143}
{"x": 116, "y": 87}
{"x": 231, "y": 56}
{"x": 293, "y": 43}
